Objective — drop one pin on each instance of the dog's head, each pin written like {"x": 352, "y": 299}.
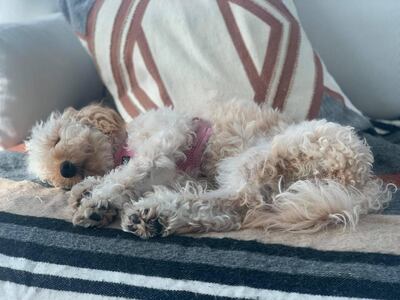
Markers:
{"x": 75, "y": 144}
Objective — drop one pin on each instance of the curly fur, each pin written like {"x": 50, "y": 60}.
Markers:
{"x": 264, "y": 170}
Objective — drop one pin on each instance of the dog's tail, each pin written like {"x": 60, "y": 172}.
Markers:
{"x": 311, "y": 205}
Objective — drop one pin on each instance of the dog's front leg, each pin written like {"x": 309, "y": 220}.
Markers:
{"x": 101, "y": 205}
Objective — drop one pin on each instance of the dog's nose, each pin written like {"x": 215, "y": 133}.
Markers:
{"x": 68, "y": 169}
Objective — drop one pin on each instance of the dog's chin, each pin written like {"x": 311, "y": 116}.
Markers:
{"x": 67, "y": 187}
{"x": 65, "y": 184}
{"x": 68, "y": 183}
{"x": 56, "y": 180}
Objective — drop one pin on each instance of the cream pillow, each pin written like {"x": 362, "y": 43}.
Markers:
{"x": 154, "y": 53}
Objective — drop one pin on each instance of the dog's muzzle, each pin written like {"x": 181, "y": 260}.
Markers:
{"x": 68, "y": 169}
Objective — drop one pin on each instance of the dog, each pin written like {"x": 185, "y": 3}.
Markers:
{"x": 233, "y": 165}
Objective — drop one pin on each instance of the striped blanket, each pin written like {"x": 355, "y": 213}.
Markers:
{"x": 50, "y": 258}
{"x": 42, "y": 256}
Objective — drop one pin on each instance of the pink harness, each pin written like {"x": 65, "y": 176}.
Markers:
{"x": 122, "y": 155}
{"x": 193, "y": 155}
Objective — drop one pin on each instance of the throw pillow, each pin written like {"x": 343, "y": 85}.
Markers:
{"x": 153, "y": 53}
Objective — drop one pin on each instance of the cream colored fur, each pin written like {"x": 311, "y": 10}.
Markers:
{"x": 259, "y": 170}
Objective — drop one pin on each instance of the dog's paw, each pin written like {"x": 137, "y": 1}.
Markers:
{"x": 92, "y": 214}
{"x": 81, "y": 190}
{"x": 143, "y": 222}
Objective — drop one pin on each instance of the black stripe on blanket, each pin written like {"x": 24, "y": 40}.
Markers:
{"x": 300, "y": 283}
{"x": 388, "y": 126}
{"x": 95, "y": 287}
{"x": 222, "y": 244}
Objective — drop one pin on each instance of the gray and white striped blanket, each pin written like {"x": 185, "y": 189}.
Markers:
{"x": 42, "y": 256}
{"x": 51, "y": 258}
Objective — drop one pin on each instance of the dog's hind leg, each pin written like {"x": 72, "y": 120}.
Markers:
{"x": 317, "y": 174}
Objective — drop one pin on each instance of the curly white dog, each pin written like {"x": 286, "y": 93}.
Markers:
{"x": 158, "y": 170}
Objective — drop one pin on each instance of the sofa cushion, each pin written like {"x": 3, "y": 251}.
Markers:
{"x": 359, "y": 42}
{"x": 25, "y": 10}
{"x": 43, "y": 67}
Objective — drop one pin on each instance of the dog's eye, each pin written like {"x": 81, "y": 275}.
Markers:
{"x": 58, "y": 140}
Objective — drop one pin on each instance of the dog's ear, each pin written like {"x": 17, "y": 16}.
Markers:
{"x": 103, "y": 118}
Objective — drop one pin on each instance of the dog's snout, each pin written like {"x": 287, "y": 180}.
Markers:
{"x": 68, "y": 169}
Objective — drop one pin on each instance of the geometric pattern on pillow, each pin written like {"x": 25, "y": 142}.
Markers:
{"x": 155, "y": 53}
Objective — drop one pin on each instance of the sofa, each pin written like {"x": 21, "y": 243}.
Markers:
{"x": 47, "y": 64}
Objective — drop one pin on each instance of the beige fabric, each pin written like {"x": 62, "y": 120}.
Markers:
{"x": 28, "y": 198}
{"x": 375, "y": 233}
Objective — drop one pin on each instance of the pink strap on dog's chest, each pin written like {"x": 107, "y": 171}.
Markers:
{"x": 123, "y": 155}
{"x": 193, "y": 155}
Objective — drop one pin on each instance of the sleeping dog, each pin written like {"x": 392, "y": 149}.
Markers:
{"x": 235, "y": 165}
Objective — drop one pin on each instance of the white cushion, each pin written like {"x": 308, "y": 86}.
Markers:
{"x": 12, "y": 11}
{"x": 43, "y": 67}
{"x": 181, "y": 52}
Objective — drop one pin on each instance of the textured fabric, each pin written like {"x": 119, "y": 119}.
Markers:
{"x": 337, "y": 112}
{"x": 154, "y": 53}
{"x": 12, "y": 166}
{"x": 42, "y": 68}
